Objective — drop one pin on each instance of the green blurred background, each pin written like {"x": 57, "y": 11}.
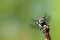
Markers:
{"x": 15, "y": 16}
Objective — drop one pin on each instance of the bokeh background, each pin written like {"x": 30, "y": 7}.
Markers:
{"x": 15, "y": 16}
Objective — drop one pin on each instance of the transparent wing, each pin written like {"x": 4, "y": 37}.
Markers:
{"x": 33, "y": 24}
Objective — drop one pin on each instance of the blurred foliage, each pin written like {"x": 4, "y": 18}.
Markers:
{"x": 15, "y": 16}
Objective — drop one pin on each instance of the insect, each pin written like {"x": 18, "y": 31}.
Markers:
{"x": 43, "y": 25}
